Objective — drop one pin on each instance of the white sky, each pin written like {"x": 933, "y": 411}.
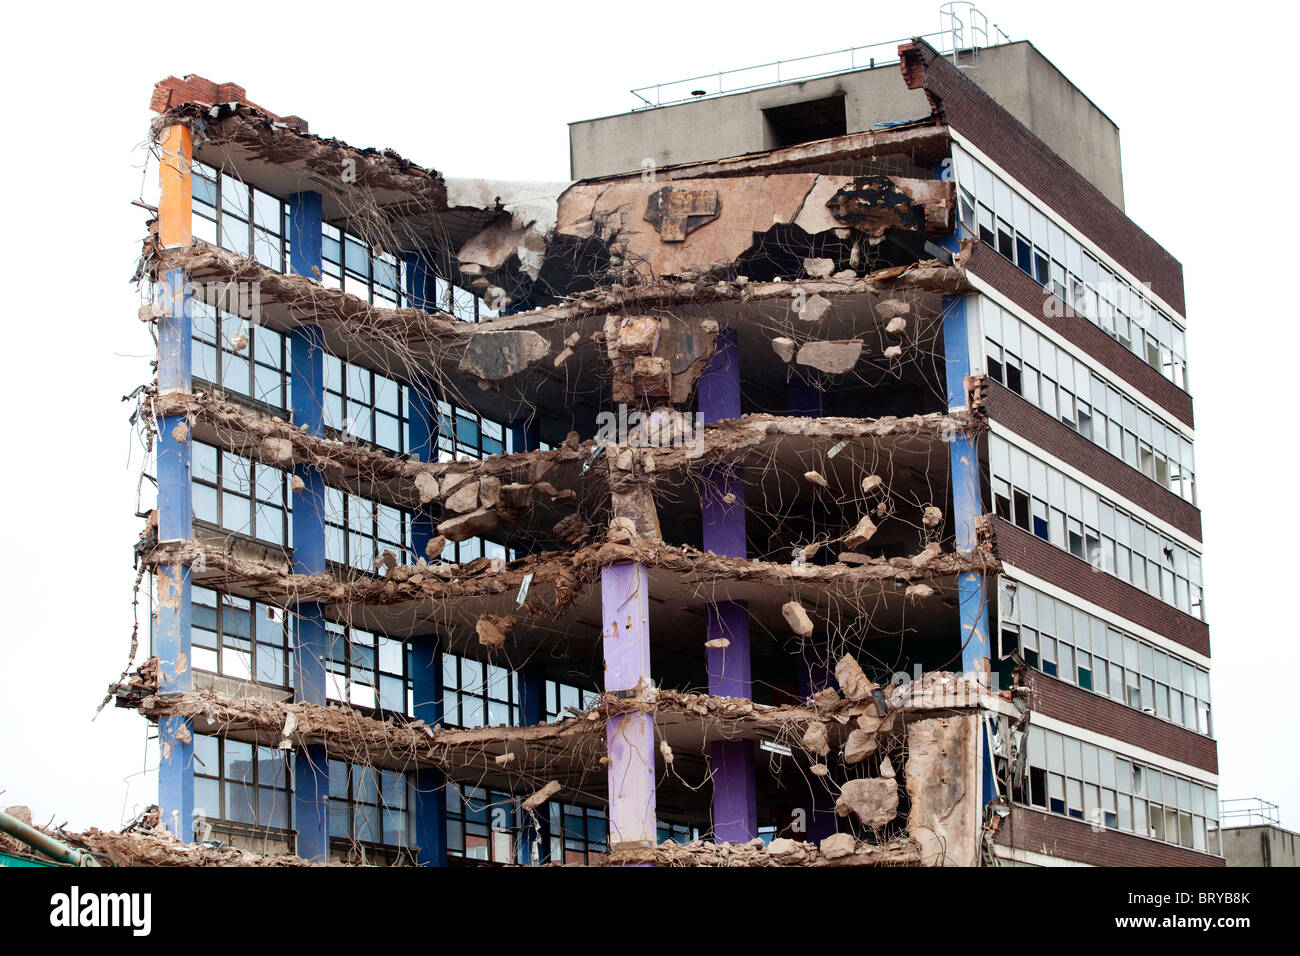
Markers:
{"x": 486, "y": 90}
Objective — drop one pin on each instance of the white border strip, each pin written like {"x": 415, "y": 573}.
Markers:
{"x": 1182, "y": 537}
{"x": 1069, "y": 227}
{"x": 1065, "y": 345}
{"x": 1137, "y": 630}
{"x": 1035, "y": 859}
{"x": 1121, "y": 747}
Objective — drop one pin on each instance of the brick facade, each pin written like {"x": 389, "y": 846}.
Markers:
{"x": 173, "y": 92}
{"x": 1082, "y": 708}
{"x": 1036, "y": 556}
{"x": 1004, "y": 276}
{"x": 1002, "y": 137}
{"x": 1009, "y": 409}
{"x": 1038, "y": 832}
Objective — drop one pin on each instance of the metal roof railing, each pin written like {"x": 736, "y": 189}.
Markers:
{"x": 1248, "y": 812}
{"x": 964, "y": 28}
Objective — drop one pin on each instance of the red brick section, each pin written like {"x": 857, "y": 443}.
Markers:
{"x": 979, "y": 118}
{"x": 1038, "y": 832}
{"x": 1034, "y": 555}
{"x": 173, "y": 92}
{"x": 1082, "y": 708}
{"x": 998, "y": 272}
{"x": 1008, "y": 408}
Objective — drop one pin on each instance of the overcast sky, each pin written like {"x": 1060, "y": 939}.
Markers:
{"x": 486, "y": 90}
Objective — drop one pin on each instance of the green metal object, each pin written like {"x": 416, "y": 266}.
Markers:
{"x": 56, "y": 850}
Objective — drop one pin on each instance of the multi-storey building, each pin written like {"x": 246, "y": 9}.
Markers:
{"x": 818, "y": 467}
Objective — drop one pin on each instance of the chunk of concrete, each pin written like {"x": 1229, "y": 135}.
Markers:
{"x": 784, "y": 348}
{"x": 853, "y": 682}
{"x": 814, "y": 309}
{"x": 859, "y": 746}
{"x": 861, "y": 533}
{"x": 797, "y": 618}
{"x": 495, "y": 355}
{"x": 836, "y": 846}
{"x": 833, "y": 358}
{"x": 814, "y": 739}
{"x": 873, "y": 800}
{"x": 818, "y": 268}
{"x": 427, "y": 487}
{"x": 464, "y": 527}
{"x": 464, "y": 498}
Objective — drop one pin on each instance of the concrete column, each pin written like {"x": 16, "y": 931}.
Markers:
{"x": 722, "y": 505}
{"x": 171, "y": 641}
{"x": 430, "y": 808}
{"x": 534, "y": 836}
{"x": 967, "y": 506}
{"x": 311, "y": 644}
{"x": 625, "y": 600}
{"x": 430, "y": 784}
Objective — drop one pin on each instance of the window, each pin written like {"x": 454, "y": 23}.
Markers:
{"x": 1134, "y": 552}
{"x": 358, "y": 530}
{"x": 348, "y": 263}
{"x": 237, "y": 494}
{"x": 239, "y": 638}
{"x": 1071, "y": 778}
{"x": 241, "y": 218}
{"x": 368, "y": 670}
{"x": 1041, "y": 249}
{"x": 804, "y": 122}
{"x": 477, "y": 694}
{"x": 369, "y": 805}
{"x": 240, "y": 782}
{"x": 366, "y": 405}
{"x": 482, "y": 824}
{"x": 1060, "y": 385}
{"x": 1095, "y": 656}
{"x": 560, "y": 697}
{"x": 578, "y": 834}
{"x": 259, "y": 370}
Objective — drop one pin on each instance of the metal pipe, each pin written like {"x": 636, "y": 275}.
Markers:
{"x": 54, "y": 849}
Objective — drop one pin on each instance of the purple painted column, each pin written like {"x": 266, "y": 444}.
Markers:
{"x": 630, "y": 738}
{"x": 735, "y": 812}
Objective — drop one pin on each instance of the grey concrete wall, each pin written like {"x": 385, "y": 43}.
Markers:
{"x": 731, "y": 125}
{"x": 1020, "y": 78}
{"x": 1259, "y": 846}
{"x": 1029, "y": 87}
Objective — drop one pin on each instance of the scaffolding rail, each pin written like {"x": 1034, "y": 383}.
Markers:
{"x": 964, "y": 29}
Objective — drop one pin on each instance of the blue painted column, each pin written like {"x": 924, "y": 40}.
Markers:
{"x": 171, "y": 639}
{"x": 311, "y": 644}
{"x": 967, "y": 506}
{"x": 430, "y": 783}
{"x": 534, "y": 836}
{"x": 735, "y": 811}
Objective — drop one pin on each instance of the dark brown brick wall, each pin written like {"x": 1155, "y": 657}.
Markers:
{"x": 978, "y": 117}
{"x": 1008, "y": 408}
{"x": 1063, "y": 569}
{"x": 174, "y": 91}
{"x": 1038, "y": 832}
{"x": 1074, "y": 705}
{"x": 998, "y": 272}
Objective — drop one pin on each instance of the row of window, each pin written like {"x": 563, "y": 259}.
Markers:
{"x": 241, "y": 495}
{"x": 1063, "y": 387}
{"x": 1083, "y": 650}
{"x": 1004, "y": 219}
{"x": 369, "y": 805}
{"x": 258, "y": 371}
{"x": 1059, "y": 510}
{"x": 250, "y": 640}
{"x": 1075, "y": 779}
{"x": 229, "y": 214}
